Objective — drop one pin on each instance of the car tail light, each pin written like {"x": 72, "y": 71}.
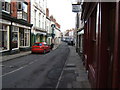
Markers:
{"x": 42, "y": 47}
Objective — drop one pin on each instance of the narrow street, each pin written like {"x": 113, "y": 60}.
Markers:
{"x": 60, "y": 44}
{"x": 35, "y": 70}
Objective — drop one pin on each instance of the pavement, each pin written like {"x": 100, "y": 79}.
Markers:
{"x": 74, "y": 74}
{"x": 21, "y": 54}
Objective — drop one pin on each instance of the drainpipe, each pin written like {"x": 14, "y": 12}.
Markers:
{"x": 10, "y": 38}
{"x": 30, "y": 38}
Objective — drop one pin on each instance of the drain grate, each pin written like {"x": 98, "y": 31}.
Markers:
{"x": 70, "y": 65}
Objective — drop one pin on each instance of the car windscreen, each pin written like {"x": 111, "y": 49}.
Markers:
{"x": 38, "y": 44}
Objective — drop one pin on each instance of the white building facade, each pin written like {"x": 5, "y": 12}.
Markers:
{"x": 38, "y": 19}
{"x": 57, "y": 36}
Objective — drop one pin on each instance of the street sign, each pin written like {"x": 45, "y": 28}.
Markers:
{"x": 76, "y": 8}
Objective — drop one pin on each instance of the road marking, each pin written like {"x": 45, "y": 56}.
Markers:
{"x": 59, "y": 79}
{"x": 17, "y": 69}
{"x": 12, "y": 71}
{"x": 30, "y": 63}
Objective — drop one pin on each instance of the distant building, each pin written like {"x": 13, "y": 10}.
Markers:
{"x": 48, "y": 27}
{"x": 56, "y": 32}
{"x": 69, "y": 35}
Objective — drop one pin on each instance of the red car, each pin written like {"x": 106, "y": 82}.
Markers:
{"x": 40, "y": 47}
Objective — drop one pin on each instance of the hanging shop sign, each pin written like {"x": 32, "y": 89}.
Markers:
{"x": 76, "y": 8}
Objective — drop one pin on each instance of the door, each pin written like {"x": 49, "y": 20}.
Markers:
{"x": 111, "y": 35}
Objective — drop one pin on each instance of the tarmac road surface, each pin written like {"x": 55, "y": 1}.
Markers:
{"x": 35, "y": 70}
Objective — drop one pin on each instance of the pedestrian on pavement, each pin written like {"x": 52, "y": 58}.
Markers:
{"x": 52, "y": 45}
{"x": 72, "y": 43}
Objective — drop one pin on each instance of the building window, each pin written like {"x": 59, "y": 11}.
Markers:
{"x": 14, "y": 37}
{"x": 22, "y": 8}
{"x": 4, "y": 36}
{"x": 35, "y": 11}
{"x": 39, "y": 19}
{"x": 19, "y": 5}
{"x": 24, "y": 16}
{"x": 6, "y": 6}
{"x": 43, "y": 22}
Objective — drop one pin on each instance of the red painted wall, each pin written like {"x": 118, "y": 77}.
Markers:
{"x": 101, "y": 47}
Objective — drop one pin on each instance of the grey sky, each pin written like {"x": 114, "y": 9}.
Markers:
{"x": 62, "y": 11}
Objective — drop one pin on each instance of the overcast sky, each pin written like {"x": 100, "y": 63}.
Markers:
{"x": 62, "y": 11}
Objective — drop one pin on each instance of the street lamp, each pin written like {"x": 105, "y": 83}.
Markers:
{"x": 53, "y": 27}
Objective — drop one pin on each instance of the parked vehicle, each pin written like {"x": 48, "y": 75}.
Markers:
{"x": 40, "y": 47}
{"x": 70, "y": 43}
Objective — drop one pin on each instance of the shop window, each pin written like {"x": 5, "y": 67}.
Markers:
{"x": 4, "y": 41}
{"x": 27, "y": 36}
{"x": 6, "y": 6}
{"x": 15, "y": 37}
{"x": 21, "y": 37}
{"x": 24, "y": 37}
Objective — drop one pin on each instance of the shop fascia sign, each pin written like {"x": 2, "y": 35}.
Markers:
{"x": 76, "y": 8}
{"x": 6, "y": 1}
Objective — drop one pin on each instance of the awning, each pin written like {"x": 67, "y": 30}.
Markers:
{"x": 40, "y": 33}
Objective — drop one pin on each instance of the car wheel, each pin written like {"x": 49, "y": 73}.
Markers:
{"x": 32, "y": 52}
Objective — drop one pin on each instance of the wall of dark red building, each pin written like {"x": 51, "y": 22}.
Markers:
{"x": 101, "y": 44}
{"x": 116, "y": 63}
{"x": 105, "y": 48}
{"x": 14, "y": 9}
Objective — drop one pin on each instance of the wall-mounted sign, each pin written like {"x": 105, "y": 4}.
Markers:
{"x": 75, "y": 7}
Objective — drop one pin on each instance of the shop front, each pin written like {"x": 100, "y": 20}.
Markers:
{"x": 40, "y": 36}
{"x": 4, "y": 33}
{"x": 14, "y": 35}
{"x": 24, "y": 38}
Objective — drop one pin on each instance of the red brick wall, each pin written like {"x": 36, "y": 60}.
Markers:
{"x": 14, "y": 9}
{"x": 29, "y": 10}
